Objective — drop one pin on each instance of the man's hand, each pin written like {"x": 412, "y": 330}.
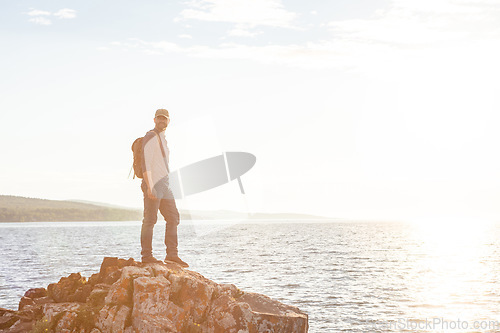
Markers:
{"x": 147, "y": 178}
{"x": 151, "y": 195}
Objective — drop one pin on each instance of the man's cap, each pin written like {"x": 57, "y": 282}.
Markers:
{"x": 162, "y": 112}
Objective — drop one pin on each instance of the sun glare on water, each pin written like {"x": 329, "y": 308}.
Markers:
{"x": 453, "y": 273}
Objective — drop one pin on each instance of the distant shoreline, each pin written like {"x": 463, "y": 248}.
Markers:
{"x": 21, "y": 209}
{"x": 14, "y": 209}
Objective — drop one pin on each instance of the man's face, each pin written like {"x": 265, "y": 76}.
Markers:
{"x": 161, "y": 123}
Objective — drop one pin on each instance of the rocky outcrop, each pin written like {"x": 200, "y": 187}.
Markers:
{"x": 126, "y": 296}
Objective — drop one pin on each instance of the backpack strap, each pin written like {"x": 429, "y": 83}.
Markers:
{"x": 162, "y": 151}
{"x": 161, "y": 145}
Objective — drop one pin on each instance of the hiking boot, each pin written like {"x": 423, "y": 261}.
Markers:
{"x": 177, "y": 260}
{"x": 151, "y": 260}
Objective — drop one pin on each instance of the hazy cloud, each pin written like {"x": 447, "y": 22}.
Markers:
{"x": 442, "y": 6}
{"x": 243, "y": 12}
{"x": 41, "y": 20}
{"x": 312, "y": 55}
{"x": 414, "y": 36}
{"x": 42, "y": 17}
{"x": 35, "y": 12}
{"x": 242, "y": 32}
{"x": 65, "y": 13}
{"x": 156, "y": 48}
{"x": 418, "y": 23}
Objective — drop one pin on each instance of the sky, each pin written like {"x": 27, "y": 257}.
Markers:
{"x": 359, "y": 109}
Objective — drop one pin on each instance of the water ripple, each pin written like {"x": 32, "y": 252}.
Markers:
{"x": 349, "y": 277}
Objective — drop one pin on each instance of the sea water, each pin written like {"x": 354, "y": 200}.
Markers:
{"x": 347, "y": 276}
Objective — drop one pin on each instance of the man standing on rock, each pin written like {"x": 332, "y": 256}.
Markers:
{"x": 157, "y": 193}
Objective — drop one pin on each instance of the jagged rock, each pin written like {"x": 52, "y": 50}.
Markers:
{"x": 269, "y": 315}
{"x": 121, "y": 291}
{"x": 97, "y": 297}
{"x": 34, "y": 296}
{"x": 151, "y": 305}
{"x": 68, "y": 289}
{"x": 55, "y": 310}
{"x": 94, "y": 279}
{"x": 31, "y": 312}
{"x": 193, "y": 293}
{"x": 7, "y": 318}
{"x": 43, "y": 300}
{"x": 229, "y": 289}
{"x": 14, "y": 321}
{"x": 20, "y": 326}
{"x": 36, "y": 293}
{"x": 113, "y": 319}
{"x": 130, "y": 297}
{"x": 24, "y": 302}
{"x": 110, "y": 269}
{"x": 227, "y": 315}
{"x": 66, "y": 322}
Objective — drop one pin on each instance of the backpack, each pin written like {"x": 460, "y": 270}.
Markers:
{"x": 138, "y": 156}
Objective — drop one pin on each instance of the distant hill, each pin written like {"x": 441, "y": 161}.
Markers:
{"x": 20, "y": 209}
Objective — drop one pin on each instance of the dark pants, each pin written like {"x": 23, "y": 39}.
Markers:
{"x": 169, "y": 211}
